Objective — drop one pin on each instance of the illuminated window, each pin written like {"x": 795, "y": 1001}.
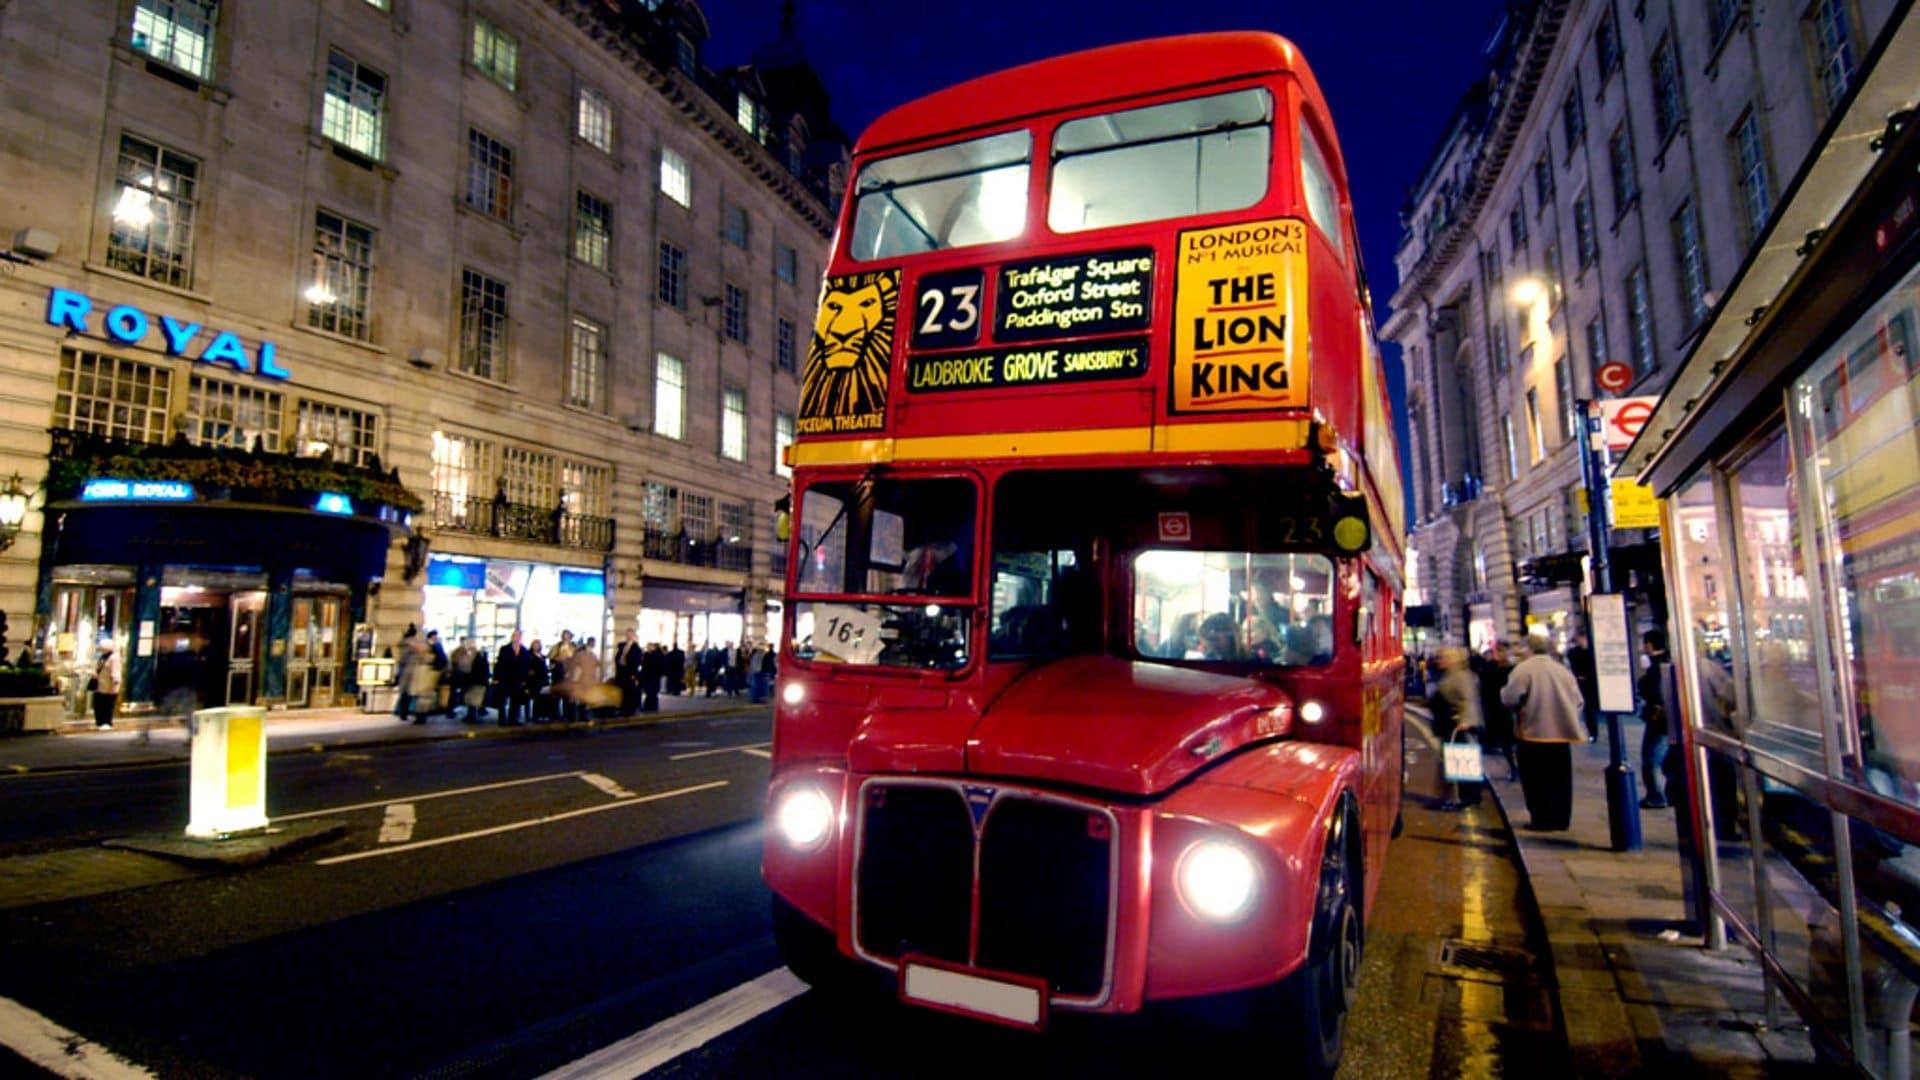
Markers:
{"x": 464, "y": 472}
{"x": 586, "y": 363}
{"x": 782, "y": 438}
{"x": 669, "y": 396}
{"x": 354, "y": 112}
{"x": 496, "y": 53}
{"x": 338, "y": 295}
{"x": 528, "y": 476}
{"x": 154, "y": 202}
{"x": 1323, "y": 199}
{"x": 177, "y": 32}
{"x": 336, "y": 433}
{"x": 593, "y": 120}
{"x": 973, "y": 192}
{"x": 733, "y": 425}
{"x": 675, "y": 181}
{"x": 221, "y": 413}
{"x": 750, "y": 115}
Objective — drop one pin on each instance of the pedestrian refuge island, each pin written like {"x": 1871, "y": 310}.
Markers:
{"x": 229, "y": 793}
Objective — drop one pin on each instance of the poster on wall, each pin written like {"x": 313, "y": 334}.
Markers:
{"x": 843, "y": 385}
{"x": 1612, "y": 651}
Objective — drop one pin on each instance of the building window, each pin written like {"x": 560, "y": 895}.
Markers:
{"x": 669, "y": 396}
{"x": 1720, "y": 17}
{"x": 1668, "y": 109}
{"x": 339, "y": 298}
{"x": 489, "y": 175}
{"x": 106, "y": 395}
{"x": 1596, "y": 342}
{"x": 593, "y": 119}
{"x": 1517, "y": 229}
{"x": 1513, "y": 450}
{"x": 782, "y": 438}
{"x": 673, "y": 277}
{"x": 483, "y": 326}
{"x": 1626, "y": 181}
{"x": 1536, "y": 433}
{"x": 1573, "y": 119}
{"x": 1830, "y": 35}
{"x": 154, "y": 198}
{"x": 464, "y": 469}
{"x": 1497, "y": 341}
{"x": 733, "y": 424}
{"x": 586, "y": 488}
{"x": 1692, "y": 260}
{"x": 737, "y": 226}
{"x": 736, "y": 313}
{"x": 1542, "y": 183}
{"x": 336, "y": 433}
{"x": 586, "y": 363}
{"x": 354, "y": 112}
{"x": 1563, "y": 388}
{"x": 784, "y": 345}
{"x": 221, "y": 413}
{"x": 686, "y": 54}
{"x": 592, "y": 229}
{"x": 496, "y": 53}
{"x": 675, "y": 181}
{"x": 1756, "y": 188}
{"x": 1606, "y": 43}
{"x": 786, "y": 264}
{"x": 748, "y": 112}
{"x": 1586, "y": 239}
{"x": 733, "y": 522}
{"x": 177, "y": 32}
{"x": 1490, "y": 265}
{"x": 380, "y": 5}
{"x": 1556, "y": 283}
{"x": 657, "y": 506}
{"x": 1640, "y": 320}
{"x": 696, "y": 515}
{"x": 527, "y": 476}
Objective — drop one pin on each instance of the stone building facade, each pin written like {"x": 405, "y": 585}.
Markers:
{"x": 1590, "y": 201}
{"x": 523, "y": 283}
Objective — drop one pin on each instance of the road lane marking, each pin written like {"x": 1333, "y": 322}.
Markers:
{"x": 398, "y": 827}
{"x": 747, "y": 749}
{"x": 757, "y": 752}
{"x": 511, "y": 826}
{"x": 648, "y": 1050}
{"x": 58, "y": 1050}
{"x": 606, "y": 784}
{"x": 1422, "y": 730}
{"x": 383, "y": 803}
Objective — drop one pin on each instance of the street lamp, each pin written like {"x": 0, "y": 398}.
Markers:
{"x": 1526, "y": 291}
{"x": 13, "y": 511}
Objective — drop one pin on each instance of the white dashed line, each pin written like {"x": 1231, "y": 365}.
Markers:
{"x": 58, "y": 1050}
{"x": 607, "y": 785}
{"x": 648, "y": 1050}
{"x": 510, "y": 827}
{"x": 429, "y": 795}
{"x": 747, "y": 749}
{"x": 757, "y": 752}
{"x": 398, "y": 827}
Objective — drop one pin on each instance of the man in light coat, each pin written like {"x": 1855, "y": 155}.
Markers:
{"x": 1546, "y": 700}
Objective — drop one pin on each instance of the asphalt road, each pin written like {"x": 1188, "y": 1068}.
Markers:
{"x": 599, "y": 884}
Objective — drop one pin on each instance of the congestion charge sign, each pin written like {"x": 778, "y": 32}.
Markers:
{"x": 1031, "y": 366}
{"x": 1240, "y": 317}
{"x": 1102, "y": 293}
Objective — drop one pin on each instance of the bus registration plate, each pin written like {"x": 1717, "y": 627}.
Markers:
{"x": 1001, "y": 999}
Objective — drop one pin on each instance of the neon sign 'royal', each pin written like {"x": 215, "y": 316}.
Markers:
{"x": 129, "y": 325}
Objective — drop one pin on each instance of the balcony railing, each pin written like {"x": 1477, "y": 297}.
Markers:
{"x": 1460, "y": 492}
{"x": 687, "y": 550}
{"x": 497, "y": 517}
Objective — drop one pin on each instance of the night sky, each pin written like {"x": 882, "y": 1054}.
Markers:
{"x": 1392, "y": 71}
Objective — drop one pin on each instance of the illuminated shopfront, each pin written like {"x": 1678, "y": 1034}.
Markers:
{"x": 488, "y": 599}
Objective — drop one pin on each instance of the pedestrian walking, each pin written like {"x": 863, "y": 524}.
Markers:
{"x": 540, "y": 682}
{"x": 653, "y": 671}
{"x": 1655, "y": 702}
{"x": 676, "y": 670}
{"x": 1492, "y": 669}
{"x": 1455, "y": 703}
{"x": 106, "y": 686}
{"x": 1546, "y": 701}
{"x": 422, "y": 683}
{"x": 1580, "y": 660}
{"x": 760, "y": 664}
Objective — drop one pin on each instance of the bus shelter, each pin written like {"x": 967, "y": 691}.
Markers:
{"x": 1786, "y": 452}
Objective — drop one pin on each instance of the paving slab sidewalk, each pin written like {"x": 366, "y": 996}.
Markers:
{"x": 1638, "y": 996}
{"x": 138, "y": 741}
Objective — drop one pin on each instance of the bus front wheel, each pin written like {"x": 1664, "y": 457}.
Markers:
{"x": 1311, "y": 1005}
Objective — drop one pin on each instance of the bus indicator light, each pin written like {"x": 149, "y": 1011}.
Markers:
{"x": 1350, "y": 534}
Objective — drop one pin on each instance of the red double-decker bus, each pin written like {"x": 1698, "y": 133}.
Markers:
{"x": 1091, "y": 682}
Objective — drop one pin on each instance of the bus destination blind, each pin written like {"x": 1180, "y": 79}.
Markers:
{"x": 1122, "y": 358}
{"x": 1103, "y": 292}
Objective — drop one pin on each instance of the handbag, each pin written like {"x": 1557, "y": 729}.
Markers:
{"x": 1462, "y": 764}
{"x": 93, "y": 682}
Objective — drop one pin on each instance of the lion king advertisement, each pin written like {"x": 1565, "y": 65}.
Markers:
{"x": 843, "y": 387}
{"x": 1240, "y": 317}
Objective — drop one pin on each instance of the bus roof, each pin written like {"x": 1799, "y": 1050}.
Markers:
{"x": 1104, "y": 74}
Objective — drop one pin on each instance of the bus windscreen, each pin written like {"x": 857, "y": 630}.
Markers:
{"x": 973, "y": 192}
{"x": 1164, "y": 161}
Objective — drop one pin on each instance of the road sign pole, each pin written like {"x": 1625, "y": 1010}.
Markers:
{"x": 1623, "y": 788}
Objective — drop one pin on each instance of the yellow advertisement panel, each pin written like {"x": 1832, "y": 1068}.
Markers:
{"x": 243, "y": 760}
{"x": 843, "y": 385}
{"x": 1240, "y": 317}
{"x": 1634, "y": 506}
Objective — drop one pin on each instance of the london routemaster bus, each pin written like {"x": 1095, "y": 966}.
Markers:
{"x": 1091, "y": 684}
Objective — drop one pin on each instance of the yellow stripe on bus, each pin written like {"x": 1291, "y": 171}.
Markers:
{"x": 1170, "y": 438}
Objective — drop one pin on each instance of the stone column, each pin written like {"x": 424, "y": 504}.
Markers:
{"x": 278, "y": 629}
{"x": 137, "y": 672}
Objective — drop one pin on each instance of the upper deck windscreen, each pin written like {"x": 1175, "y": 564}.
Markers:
{"x": 1179, "y": 159}
{"x": 973, "y": 192}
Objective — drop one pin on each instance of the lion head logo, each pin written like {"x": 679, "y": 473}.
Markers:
{"x": 852, "y": 347}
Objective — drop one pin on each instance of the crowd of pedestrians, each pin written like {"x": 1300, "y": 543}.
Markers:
{"x": 528, "y": 683}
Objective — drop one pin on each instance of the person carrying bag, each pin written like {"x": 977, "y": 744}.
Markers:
{"x": 1456, "y": 699}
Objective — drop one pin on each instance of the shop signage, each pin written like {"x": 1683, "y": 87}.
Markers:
{"x": 332, "y": 502}
{"x": 129, "y": 325}
{"x": 1037, "y": 366}
{"x": 1634, "y": 506}
{"x": 1612, "y": 651}
{"x": 103, "y": 489}
{"x": 1102, "y": 293}
{"x": 1240, "y": 317}
{"x": 1621, "y": 420}
{"x": 1614, "y": 376}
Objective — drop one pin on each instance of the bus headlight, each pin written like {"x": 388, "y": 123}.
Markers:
{"x": 793, "y": 693}
{"x": 1217, "y": 880}
{"x": 1312, "y": 711}
{"x": 804, "y": 816}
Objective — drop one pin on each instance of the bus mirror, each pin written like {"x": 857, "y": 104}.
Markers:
{"x": 1351, "y": 532}
{"x": 782, "y": 526}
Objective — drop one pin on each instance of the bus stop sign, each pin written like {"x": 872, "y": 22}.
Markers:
{"x": 1621, "y": 420}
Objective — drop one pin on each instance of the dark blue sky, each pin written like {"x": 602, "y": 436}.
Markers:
{"x": 1392, "y": 71}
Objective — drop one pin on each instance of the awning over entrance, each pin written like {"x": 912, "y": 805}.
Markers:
{"x": 329, "y": 546}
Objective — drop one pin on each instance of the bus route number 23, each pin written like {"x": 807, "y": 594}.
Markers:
{"x": 947, "y": 310}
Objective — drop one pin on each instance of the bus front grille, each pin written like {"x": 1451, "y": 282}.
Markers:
{"x": 1045, "y": 883}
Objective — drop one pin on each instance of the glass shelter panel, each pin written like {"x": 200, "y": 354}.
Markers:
{"x": 1783, "y": 678}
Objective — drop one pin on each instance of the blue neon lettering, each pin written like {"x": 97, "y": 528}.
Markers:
{"x": 127, "y": 323}
{"x": 225, "y": 349}
{"x": 69, "y": 309}
{"x": 178, "y": 334}
{"x": 269, "y": 366}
